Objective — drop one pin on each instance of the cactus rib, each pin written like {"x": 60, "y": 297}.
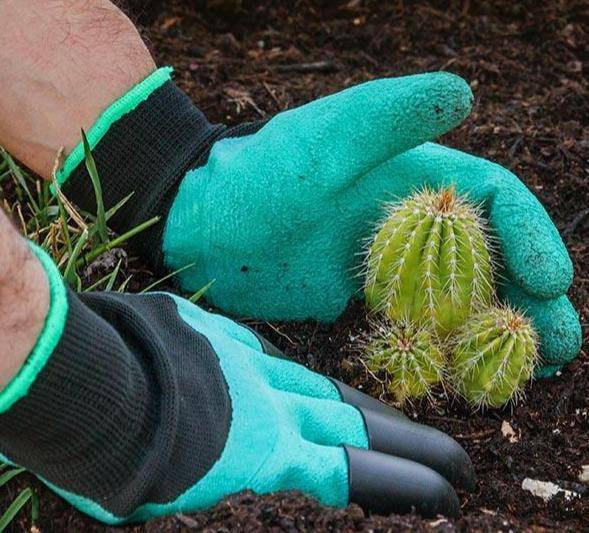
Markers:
{"x": 430, "y": 261}
{"x": 493, "y": 355}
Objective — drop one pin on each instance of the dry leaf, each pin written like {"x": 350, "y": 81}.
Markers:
{"x": 508, "y": 432}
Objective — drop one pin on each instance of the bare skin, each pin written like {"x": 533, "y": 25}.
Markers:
{"x": 62, "y": 62}
{"x": 24, "y": 300}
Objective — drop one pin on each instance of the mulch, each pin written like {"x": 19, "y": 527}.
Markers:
{"x": 527, "y": 63}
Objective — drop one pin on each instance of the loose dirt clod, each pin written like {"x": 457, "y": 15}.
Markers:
{"x": 584, "y": 474}
{"x": 508, "y": 432}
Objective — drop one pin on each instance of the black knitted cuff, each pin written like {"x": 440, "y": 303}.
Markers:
{"x": 147, "y": 152}
{"x": 131, "y": 407}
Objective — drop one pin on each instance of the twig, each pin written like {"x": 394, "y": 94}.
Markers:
{"x": 72, "y": 212}
{"x": 282, "y": 334}
{"x": 573, "y": 224}
{"x": 316, "y": 66}
{"x": 477, "y": 435}
{"x": 272, "y": 95}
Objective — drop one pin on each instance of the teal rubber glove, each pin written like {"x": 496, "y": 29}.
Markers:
{"x": 537, "y": 269}
{"x": 152, "y": 406}
{"x": 277, "y": 214}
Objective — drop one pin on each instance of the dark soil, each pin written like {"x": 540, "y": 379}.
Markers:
{"x": 527, "y": 63}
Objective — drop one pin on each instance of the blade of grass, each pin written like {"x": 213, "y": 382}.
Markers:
{"x": 12, "y": 473}
{"x": 123, "y": 285}
{"x": 200, "y": 293}
{"x": 109, "y": 214}
{"x": 70, "y": 267}
{"x": 20, "y": 178}
{"x": 113, "y": 276}
{"x": 167, "y": 276}
{"x": 95, "y": 285}
{"x": 35, "y": 504}
{"x": 93, "y": 226}
{"x": 67, "y": 205}
{"x": 91, "y": 167}
{"x": 14, "y": 508}
{"x": 64, "y": 227}
{"x": 99, "y": 250}
{"x": 118, "y": 205}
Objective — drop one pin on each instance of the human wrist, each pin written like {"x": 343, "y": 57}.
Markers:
{"x": 63, "y": 62}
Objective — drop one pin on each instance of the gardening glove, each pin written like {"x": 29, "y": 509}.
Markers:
{"x": 535, "y": 270}
{"x": 278, "y": 218}
{"x": 268, "y": 211}
{"x": 135, "y": 406}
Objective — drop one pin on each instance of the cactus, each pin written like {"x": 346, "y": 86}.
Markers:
{"x": 430, "y": 262}
{"x": 493, "y": 355}
{"x": 408, "y": 356}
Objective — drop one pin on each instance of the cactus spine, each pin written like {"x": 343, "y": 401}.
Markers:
{"x": 494, "y": 354}
{"x": 430, "y": 262}
{"x": 408, "y": 357}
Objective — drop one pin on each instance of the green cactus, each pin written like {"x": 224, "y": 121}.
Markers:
{"x": 430, "y": 261}
{"x": 493, "y": 355}
{"x": 408, "y": 357}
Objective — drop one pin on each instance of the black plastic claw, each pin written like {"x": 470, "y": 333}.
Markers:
{"x": 384, "y": 484}
{"x": 423, "y": 444}
{"x": 363, "y": 401}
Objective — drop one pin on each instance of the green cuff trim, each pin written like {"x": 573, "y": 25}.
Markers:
{"x": 125, "y": 104}
{"x": 19, "y": 386}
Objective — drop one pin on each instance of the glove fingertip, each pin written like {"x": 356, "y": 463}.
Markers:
{"x": 545, "y": 270}
{"x": 557, "y": 324}
{"x": 440, "y": 100}
{"x": 547, "y": 371}
{"x": 560, "y": 333}
{"x": 533, "y": 251}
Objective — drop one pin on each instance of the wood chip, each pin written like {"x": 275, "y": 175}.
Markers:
{"x": 546, "y": 489}
{"x": 584, "y": 475}
{"x": 508, "y": 432}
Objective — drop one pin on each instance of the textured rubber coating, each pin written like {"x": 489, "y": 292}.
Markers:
{"x": 275, "y": 218}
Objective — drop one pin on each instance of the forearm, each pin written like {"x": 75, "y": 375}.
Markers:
{"x": 24, "y": 300}
{"x": 62, "y": 62}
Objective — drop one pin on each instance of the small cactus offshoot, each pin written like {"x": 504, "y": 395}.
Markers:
{"x": 409, "y": 358}
{"x": 494, "y": 355}
{"x": 429, "y": 262}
